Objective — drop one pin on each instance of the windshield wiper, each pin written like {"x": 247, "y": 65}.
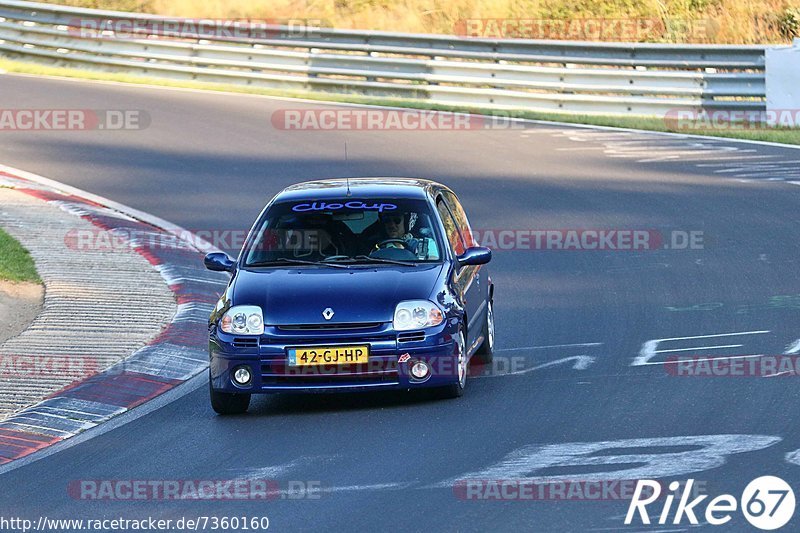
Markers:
{"x": 285, "y": 261}
{"x": 382, "y": 260}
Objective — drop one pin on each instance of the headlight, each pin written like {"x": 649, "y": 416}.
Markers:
{"x": 243, "y": 320}
{"x": 417, "y": 314}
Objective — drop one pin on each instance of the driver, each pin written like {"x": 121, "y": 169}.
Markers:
{"x": 393, "y": 226}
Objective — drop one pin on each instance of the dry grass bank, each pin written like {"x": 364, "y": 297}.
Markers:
{"x": 714, "y": 21}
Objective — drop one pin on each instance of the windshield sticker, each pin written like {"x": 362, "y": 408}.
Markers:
{"x": 323, "y": 206}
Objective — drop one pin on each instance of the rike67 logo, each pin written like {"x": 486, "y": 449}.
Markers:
{"x": 767, "y": 503}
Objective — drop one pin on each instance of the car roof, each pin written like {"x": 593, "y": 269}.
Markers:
{"x": 359, "y": 188}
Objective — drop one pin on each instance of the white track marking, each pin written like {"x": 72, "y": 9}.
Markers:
{"x": 524, "y": 463}
{"x": 743, "y": 168}
{"x": 634, "y": 154}
{"x": 715, "y": 335}
{"x": 701, "y": 348}
{"x": 546, "y": 347}
{"x": 793, "y": 457}
{"x": 661, "y": 158}
{"x": 778, "y": 374}
{"x": 274, "y": 471}
{"x": 288, "y": 493}
{"x": 582, "y": 362}
{"x": 545, "y": 131}
{"x": 376, "y": 486}
{"x": 579, "y": 148}
{"x": 646, "y": 143}
{"x": 668, "y": 150}
{"x": 783, "y": 174}
{"x": 793, "y": 348}
{"x": 662, "y": 151}
{"x": 760, "y": 171}
{"x": 735, "y": 158}
{"x": 732, "y": 162}
{"x": 707, "y": 359}
{"x": 747, "y": 156}
{"x": 692, "y": 148}
{"x": 283, "y": 493}
{"x": 649, "y": 351}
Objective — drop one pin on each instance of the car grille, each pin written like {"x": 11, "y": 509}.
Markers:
{"x": 245, "y": 342}
{"x": 313, "y": 327}
{"x": 411, "y": 336}
{"x": 323, "y": 334}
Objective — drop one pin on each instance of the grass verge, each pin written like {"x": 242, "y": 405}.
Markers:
{"x": 777, "y": 135}
{"x": 16, "y": 263}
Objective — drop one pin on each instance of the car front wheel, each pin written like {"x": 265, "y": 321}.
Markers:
{"x": 485, "y": 353}
{"x": 456, "y": 389}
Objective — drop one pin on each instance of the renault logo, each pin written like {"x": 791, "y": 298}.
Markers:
{"x": 328, "y": 313}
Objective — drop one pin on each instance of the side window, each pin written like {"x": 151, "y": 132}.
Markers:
{"x": 461, "y": 218}
{"x": 453, "y": 235}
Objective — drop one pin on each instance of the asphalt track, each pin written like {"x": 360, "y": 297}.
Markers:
{"x": 388, "y": 461}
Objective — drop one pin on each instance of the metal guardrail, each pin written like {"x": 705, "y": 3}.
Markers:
{"x": 578, "y": 77}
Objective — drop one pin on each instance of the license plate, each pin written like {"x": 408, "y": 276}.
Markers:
{"x": 328, "y": 355}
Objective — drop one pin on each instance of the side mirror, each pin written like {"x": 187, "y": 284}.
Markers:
{"x": 477, "y": 255}
{"x": 219, "y": 262}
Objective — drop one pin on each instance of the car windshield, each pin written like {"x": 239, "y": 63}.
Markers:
{"x": 346, "y": 231}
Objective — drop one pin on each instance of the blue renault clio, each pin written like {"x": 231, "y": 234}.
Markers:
{"x": 351, "y": 285}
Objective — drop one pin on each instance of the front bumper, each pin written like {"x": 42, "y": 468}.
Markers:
{"x": 266, "y": 358}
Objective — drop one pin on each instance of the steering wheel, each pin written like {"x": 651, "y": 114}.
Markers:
{"x": 387, "y": 242}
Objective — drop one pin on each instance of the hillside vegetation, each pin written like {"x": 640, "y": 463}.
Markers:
{"x": 692, "y": 21}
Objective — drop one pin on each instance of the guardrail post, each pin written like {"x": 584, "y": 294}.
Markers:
{"x": 783, "y": 83}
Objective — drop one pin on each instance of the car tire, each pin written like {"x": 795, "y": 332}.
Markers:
{"x": 225, "y": 403}
{"x": 456, "y": 390}
{"x": 485, "y": 353}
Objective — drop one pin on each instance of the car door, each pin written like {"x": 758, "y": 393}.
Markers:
{"x": 467, "y": 278}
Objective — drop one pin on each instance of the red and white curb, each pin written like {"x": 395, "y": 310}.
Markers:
{"x": 93, "y": 294}
{"x": 176, "y": 354}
